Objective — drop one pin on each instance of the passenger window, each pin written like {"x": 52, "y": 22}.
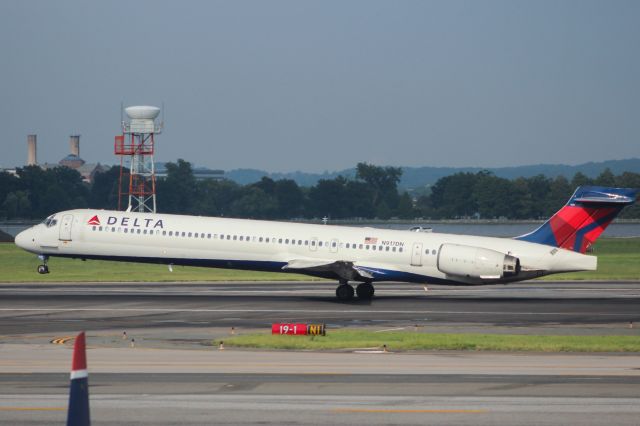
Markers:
{"x": 279, "y": 240}
{"x": 367, "y": 247}
{"x": 319, "y": 243}
{"x": 373, "y": 247}
{"x": 400, "y": 249}
{"x": 247, "y": 238}
{"x": 241, "y": 237}
{"x": 433, "y": 252}
{"x": 183, "y": 234}
{"x": 333, "y": 244}
{"x": 260, "y": 239}
{"x": 113, "y": 229}
{"x": 313, "y": 243}
{"x": 306, "y": 242}
{"x": 360, "y": 246}
{"x": 299, "y": 242}
{"x": 209, "y": 236}
{"x": 235, "y": 237}
{"x": 138, "y": 231}
{"x": 347, "y": 245}
{"x": 266, "y": 240}
{"x": 228, "y": 237}
{"x": 286, "y": 241}
{"x": 386, "y": 248}
{"x": 393, "y": 249}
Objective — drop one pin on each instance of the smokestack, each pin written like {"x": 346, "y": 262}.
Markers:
{"x": 32, "y": 142}
{"x": 74, "y": 145}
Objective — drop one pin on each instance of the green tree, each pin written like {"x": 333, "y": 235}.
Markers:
{"x": 177, "y": 192}
{"x": 383, "y": 182}
{"x": 606, "y": 178}
{"x": 289, "y": 197}
{"x": 452, "y": 197}
{"x": 104, "y": 191}
{"x": 580, "y": 179}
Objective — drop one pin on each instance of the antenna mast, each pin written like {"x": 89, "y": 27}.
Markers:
{"x": 136, "y": 147}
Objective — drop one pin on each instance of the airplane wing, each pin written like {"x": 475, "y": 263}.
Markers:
{"x": 344, "y": 269}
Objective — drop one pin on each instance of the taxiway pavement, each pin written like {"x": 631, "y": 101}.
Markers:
{"x": 174, "y": 376}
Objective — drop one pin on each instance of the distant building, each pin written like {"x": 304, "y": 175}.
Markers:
{"x": 72, "y": 161}
{"x": 200, "y": 173}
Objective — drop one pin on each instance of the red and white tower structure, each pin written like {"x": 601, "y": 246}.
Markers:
{"x": 135, "y": 147}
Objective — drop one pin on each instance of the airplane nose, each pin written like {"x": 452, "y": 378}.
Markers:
{"x": 24, "y": 239}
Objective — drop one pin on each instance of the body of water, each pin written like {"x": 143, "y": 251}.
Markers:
{"x": 483, "y": 229}
{"x": 508, "y": 229}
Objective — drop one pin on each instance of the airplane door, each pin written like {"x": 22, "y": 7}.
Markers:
{"x": 65, "y": 227}
{"x": 314, "y": 244}
{"x": 334, "y": 246}
{"x": 416, "y": 254}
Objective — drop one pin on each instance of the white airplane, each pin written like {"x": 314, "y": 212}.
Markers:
{"x": 363, "y": 255}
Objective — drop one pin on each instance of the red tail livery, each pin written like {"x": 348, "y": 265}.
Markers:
{"x": 580, "y": 222}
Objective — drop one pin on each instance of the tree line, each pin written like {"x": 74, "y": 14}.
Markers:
{"x": 373, "y": 194}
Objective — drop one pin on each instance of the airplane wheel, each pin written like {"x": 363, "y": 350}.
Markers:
{"x": 43, "y": 269}
{"x": 344, "y": 292}
{"x": 365, "y": 291}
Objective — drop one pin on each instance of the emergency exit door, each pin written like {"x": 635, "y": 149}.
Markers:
{"x": 416, "y": 254}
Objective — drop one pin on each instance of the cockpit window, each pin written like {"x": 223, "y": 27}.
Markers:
{"x": 50, "y": 221}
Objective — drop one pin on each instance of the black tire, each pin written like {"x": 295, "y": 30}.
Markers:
{"x": 42, "y": 269}
{"x": 365, "y": 291}
{"x": 344, "y": 292}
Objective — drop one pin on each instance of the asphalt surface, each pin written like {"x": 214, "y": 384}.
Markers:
{"x": 56, "y": 308}
{"x": 174, "y": 376}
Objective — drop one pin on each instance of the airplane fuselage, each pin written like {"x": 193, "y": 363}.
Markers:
{"x": 341, "y": 252}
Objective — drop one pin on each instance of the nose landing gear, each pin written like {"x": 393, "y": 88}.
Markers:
{"x": 44, "y": 268}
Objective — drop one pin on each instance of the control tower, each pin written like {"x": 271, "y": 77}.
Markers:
{"x": 136, "y": 147}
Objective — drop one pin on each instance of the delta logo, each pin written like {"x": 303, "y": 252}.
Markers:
{"x": 94, "y": 220}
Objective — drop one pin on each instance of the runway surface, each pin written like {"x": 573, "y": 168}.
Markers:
{"x": 174, "y": 376}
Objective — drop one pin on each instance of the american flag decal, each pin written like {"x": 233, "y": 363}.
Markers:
{"x": 370, "y": 240}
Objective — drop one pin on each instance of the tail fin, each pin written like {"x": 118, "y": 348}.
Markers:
{"x": 78, "y": 414}
{"x": 581, "y": 221}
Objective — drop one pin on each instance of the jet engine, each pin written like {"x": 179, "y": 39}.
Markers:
{"x": 476, "y": 262}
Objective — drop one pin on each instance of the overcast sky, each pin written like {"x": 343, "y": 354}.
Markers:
{"x": 313, "y": 86}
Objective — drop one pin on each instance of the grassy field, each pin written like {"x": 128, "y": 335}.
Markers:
{"x": 16, "y": 265}
{"x": 618, "y": 259}
{"x": 406, "y": 341}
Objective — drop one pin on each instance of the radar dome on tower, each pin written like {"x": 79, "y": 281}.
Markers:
{"x": 142, "y": 119}
{"x": 142, "y": 112}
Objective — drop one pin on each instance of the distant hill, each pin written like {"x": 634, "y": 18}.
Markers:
{"x": 414, "y": 177}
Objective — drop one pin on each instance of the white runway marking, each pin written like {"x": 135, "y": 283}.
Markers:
{"x": 304, "y": 311}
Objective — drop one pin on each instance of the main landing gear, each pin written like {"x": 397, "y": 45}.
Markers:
{"x": 345, "y": 292}
{"x": 44, "y": 268}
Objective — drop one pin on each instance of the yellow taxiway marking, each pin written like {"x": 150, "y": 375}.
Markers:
{"x": 433, "y": 411}
{"x": 32, "y": 408}
{"x": 61, "y": 340}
